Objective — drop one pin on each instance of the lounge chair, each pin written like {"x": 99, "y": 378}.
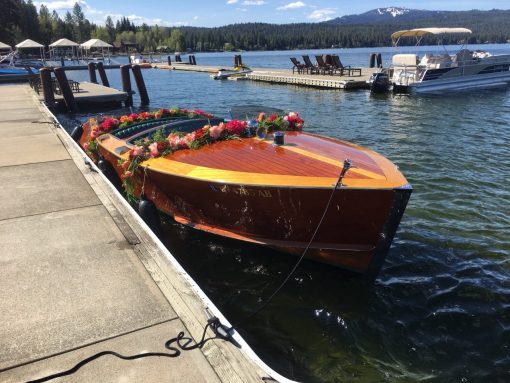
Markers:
{"x": 300, "y": 68}
{"x": 339, "y": 66}
{"x": 310, "y": 67}
{"x": 323, "y": 67}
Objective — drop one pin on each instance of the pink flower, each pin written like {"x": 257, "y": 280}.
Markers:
{"x": 86, "y": 146}
{"x": 216, "y": 130}
{"x": 153, "y": 148}
{"x": 127, "y": 174}
{"x": 173, "y": 140}
{"x": 188, "y": 139}
{"x": 136, "y": 151}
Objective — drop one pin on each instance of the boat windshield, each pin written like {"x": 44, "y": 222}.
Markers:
{"x": 183, "y": 126}
{"x": 251, "y": 112}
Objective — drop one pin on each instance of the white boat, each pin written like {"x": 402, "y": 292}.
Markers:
{"x": 226, "y": 73}
{"x": 441, "y": 72}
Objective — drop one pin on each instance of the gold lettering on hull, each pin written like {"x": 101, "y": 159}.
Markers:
{"x": 241, "y": 190}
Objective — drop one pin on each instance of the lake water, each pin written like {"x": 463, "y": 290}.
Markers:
{"x": 440, "y": 309}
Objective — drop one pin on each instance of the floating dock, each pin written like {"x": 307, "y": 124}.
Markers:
{"x": 91, "y": 93}
{"x": 81, "y": 273}
{"x": 285, "y": 76}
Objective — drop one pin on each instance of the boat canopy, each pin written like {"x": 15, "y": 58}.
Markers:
{"x": 29, "y": 44}
{"x": 95, "y": 43}
{"x": 420, "y": 32}
{"x": 64, "y": 43}
{"x": 4, "y": 46}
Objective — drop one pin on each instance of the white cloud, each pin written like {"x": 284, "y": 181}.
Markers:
{"x": 195, "y": 18}
{"x": 58, "y": 5}
{"x": 297, "y": 4}
{"x": 322, "y": 14}
{"x": 232, "y": 1}
{"x": 254, "y": 2}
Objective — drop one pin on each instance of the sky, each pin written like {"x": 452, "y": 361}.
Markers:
{"x": 211, "y": 13}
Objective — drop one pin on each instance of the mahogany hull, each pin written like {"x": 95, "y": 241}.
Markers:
{"x": 272, "y": 195}
{"x": 356, "y": 233}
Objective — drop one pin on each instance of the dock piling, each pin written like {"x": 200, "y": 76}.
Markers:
{"x": 372, "y": 60}
{"x": 47, "y": 86}
{"x": 126, "y": 83}
{"x": 379, "y": 60}
{"x": 102, "y": 74}
{"x": 140, "y": 84}
{"x": 92, "y": 72}
{"x": 65, "y": 88}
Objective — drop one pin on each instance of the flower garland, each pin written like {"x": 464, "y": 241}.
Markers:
{"x": 160, "y": 145}
{"x": 111, "y": 123}
{"x": 290, "y": 121}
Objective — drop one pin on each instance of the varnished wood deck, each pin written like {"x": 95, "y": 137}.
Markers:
{"x": 304, "y": 161}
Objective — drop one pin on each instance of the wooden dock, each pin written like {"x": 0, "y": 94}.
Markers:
{"x": 285, "y": 76}
{"x": 92, "y": 94}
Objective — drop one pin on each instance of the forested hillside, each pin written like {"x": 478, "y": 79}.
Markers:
{"x": 19, "y": 20}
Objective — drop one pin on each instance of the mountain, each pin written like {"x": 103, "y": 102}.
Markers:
{"x": 398, "y": 15}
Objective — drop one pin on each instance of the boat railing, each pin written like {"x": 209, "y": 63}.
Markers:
{"x": 405, "y": 74}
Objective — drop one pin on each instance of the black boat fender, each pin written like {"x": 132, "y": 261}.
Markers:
{"x": 108, "y": 170}
{"x": 149, "y": 214}
{"x": 77, "y": 133}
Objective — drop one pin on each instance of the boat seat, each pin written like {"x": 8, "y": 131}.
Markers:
{"x": 137, "y": 128}
{"x": 463, "y": 56}
{"x": 184, "y": 126}
{"x": 425, "y": 60}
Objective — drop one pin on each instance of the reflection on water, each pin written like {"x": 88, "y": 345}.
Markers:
{"x": 440, "y": 310}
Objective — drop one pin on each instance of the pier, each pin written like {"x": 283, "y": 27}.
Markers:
{"x": 81, "y": 273}
{"x": 90, "y": 93}
{"x": 285, "y": 76}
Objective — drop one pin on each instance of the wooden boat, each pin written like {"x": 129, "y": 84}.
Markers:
{"x": 274, "y": 195}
